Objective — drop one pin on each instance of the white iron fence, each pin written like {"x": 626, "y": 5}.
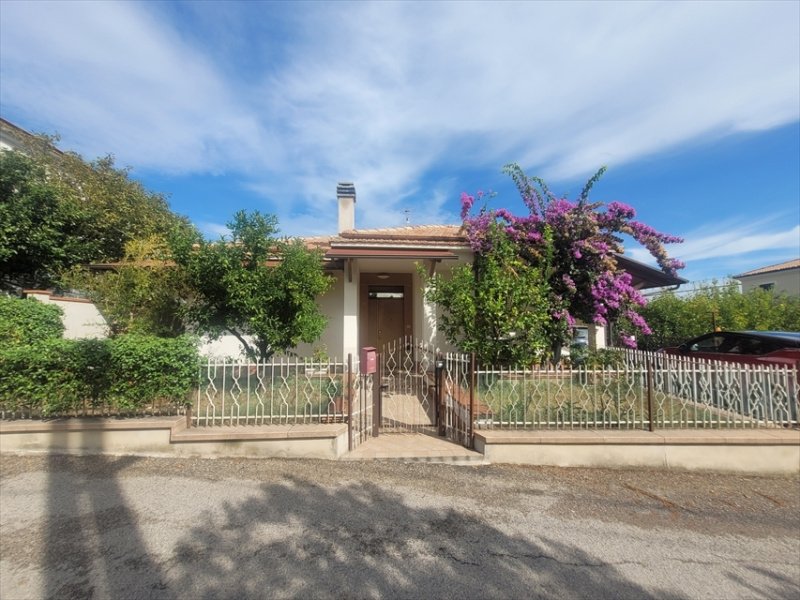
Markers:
{"x": 634, "y": 390}
{"x": 638, "y": 390}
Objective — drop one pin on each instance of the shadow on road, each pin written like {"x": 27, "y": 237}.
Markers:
{"x": 93, "y": 546}
{"x": 298, "y": 539}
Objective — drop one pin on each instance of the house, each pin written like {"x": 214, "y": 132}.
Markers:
{"x": 378, "y": 292}
{"x": 783, "y": 278}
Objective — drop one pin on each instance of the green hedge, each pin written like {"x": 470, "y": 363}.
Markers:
{"x": 28, "y": 321}
{"x": 123, "y": 374}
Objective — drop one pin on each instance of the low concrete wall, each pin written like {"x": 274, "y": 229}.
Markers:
{"x": 768, "y": 451}
{"x": 169, "y": 437}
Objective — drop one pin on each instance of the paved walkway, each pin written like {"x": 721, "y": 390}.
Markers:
{"x": 420, "y": 447}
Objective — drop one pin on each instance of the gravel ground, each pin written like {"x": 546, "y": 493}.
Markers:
{"x": 133, "y": 527}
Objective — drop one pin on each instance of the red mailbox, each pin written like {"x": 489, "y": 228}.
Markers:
{"x": 368, "y": 360}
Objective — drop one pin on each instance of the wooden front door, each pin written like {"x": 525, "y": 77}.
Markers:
{"x": 386, "y": 321}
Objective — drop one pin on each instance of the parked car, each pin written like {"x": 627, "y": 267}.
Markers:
{"x": 749, "y": 347}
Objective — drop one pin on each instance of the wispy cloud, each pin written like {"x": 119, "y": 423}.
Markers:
{"x": 732, "y": 246}
{"x": 213, "y": 230}
{"x": 384, "y": 94}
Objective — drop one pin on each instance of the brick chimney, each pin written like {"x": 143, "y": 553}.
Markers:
{"x": 346, "y": 194}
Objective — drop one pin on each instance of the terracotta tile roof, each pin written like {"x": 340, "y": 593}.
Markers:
{"x": 789, "y": 264}
{"x": 448, "y": 235}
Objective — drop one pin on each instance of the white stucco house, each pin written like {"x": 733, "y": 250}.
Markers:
{"x": 378, "y": 293}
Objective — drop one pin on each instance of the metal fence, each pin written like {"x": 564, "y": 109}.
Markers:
{"x": 639, "y": 390}
{"x": 636, "y": 390}
{"x": 281, "y": 391}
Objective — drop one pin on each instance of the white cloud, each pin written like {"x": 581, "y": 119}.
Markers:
{"x": 213, "y": 230}
{"x": 730, "y": 247}
{"x": 382, "y": 94}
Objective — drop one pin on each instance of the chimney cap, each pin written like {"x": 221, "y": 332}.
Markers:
{"x": 346, "y": 189}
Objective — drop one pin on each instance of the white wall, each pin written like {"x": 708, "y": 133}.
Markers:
{"x": 80, "y": 317}
{"x": 332, "y": 306}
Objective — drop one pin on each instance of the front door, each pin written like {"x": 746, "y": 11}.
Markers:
{"x": 386, "y": 315}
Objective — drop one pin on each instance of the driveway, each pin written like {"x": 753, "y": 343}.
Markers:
{"x": 132, "y": 527}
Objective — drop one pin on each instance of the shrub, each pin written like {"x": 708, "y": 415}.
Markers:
{"x": 28, "y": 321}
{"x": 54, "y": 375}
{"x": 146, "y": 368}
{"x": 122, "y": 374}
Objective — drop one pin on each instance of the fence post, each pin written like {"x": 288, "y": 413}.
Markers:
{"x": 651, "y": 422}
{"x": 376, "y": 396}
{"x": 349, "y": 397}
{"x": 471, "y": 424}
{"x": 440, "y": 411}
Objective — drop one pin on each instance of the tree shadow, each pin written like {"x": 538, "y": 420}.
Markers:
{"x": 298, "y": 539}
{"x": 92, "y": 543}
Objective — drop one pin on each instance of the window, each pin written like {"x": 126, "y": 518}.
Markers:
{"x": 767, "y": 286}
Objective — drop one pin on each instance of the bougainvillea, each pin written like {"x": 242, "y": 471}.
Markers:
{"x": 575, "y": 244}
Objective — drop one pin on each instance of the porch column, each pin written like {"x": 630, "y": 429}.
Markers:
{"x": 350, "y": 310}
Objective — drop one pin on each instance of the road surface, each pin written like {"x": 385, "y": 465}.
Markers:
{"x": 134, "y": 527}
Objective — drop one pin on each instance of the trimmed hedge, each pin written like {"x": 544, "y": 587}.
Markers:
{"x": 123, "y": 374}
{"x": 28, "y": 321}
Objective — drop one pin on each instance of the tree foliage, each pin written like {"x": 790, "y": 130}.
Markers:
{"x": 495, "y": 307}
{"x": 142, "y": 294}
{"x": 57, "y": 210}
{"x": 574, "y": 245}
{"x": 253, "y": 284}
{"x": 674, "y": 319}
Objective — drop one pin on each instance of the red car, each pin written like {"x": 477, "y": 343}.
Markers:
{"x": 749, "y": 347}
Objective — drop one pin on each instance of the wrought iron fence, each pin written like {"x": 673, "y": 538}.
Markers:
{"x": 636, "y": 390}
{"x": 281, "y": 391}
{"x": 639, "y": 390}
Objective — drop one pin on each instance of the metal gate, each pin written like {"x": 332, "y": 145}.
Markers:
{"x": 425, "y": 392}
{"x": 408, "y": 387}
{"x": 457, "y": 398}
{"x": 360, "y": 405}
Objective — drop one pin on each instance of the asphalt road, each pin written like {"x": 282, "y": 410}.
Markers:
{"x": 131, "y": 527}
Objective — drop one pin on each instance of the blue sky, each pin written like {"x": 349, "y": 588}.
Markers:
{"x": 694, "y": 108}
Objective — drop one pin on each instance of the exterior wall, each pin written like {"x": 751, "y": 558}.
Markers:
{"x": 762, "y": 451}
{"x": 784, "y": 282}
{"x": 332, "y": 339}
{"x": 80, "y": 317}
{"x": 169, "y": 437}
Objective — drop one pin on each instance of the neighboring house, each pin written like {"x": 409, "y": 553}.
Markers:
{"x": 13, "y": 137}
{"x": 80, "y": 316}
{"x": 783, "y": 278}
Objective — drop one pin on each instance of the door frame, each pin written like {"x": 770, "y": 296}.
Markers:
{"x": 380, "y": 279}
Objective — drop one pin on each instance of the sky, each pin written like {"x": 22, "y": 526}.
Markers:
{"x": 694, "y": 107}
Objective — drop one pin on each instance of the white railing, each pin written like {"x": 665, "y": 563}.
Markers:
{"x": 639, "y": 390}
{"x": 281, "y": 391}
{"x": 635, "y": 390}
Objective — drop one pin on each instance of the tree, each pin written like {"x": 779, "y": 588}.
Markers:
{"x": 253, "y": 284}
{"x": 496, "y": 307}
{"x": 39, "y": 234}
{"x": 574, "y": 244}
{"x": 674, "y": 319}
{"x": 144, "y": 292}
{"x": 57, "y": 210}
